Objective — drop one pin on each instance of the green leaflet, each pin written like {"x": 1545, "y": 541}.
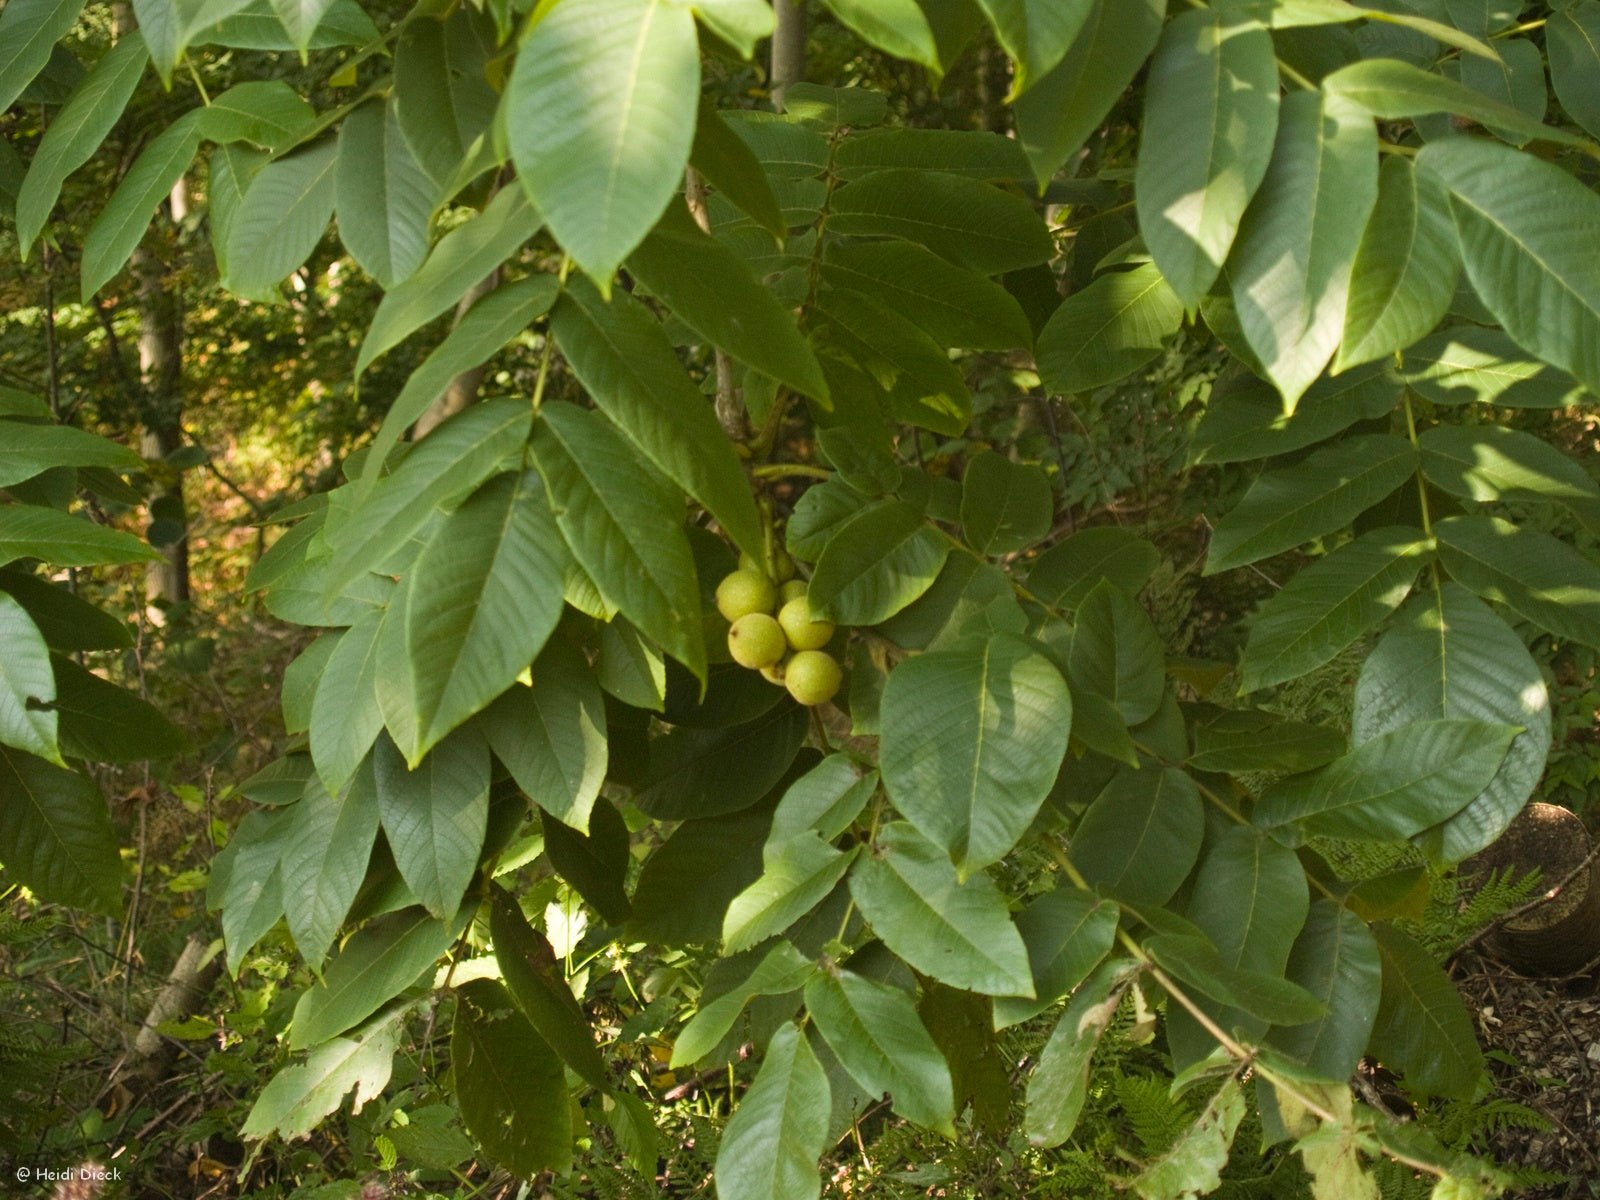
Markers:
{"x": 281, "y": 219}
{"x": 1537, "y": 576}
{"x": 740, "y": 23}
{"x": 1422, "y": 1029}
{"x": 1516, "y": 81}
{"x": 445, "y": 468}
{"x": 1249, "y": 896}
{"x": 383, "y": 196}
{"x": 443, "y": 100}
{"x": 1108, "y": 330}
{"x": 710, "y": 289}
{"x": 1117, "y": 654}
{"x": 300, "y": 19}
{"x": 1193, "y": 1164}
{"x": 113, "y": 237}
{"x": 1392, "y": 786}
{"x": 508, "y": 1082}
{"x": 958, "y": 932}
{"x": 596, "y": 863}
{"x": 1320, "y": 495}
{"x": 1058, "y": 113}
{"x": 1240, "y": 741}
{"x": 1067, "y": 933}
{"x": 1267, "y": 997}
{"x": 625, "y": 362}
{"x": 325, "y": 855}
{"x": 29, "y": 32}
{"x": 57, "y": 838}
{"x": 828, "y": 799}
{"x": 1449, "y": 656}
{"x": 1393, "y": 90}
{"x": 770, "y": 1147}
{"x": 1464, "y": 364}
{"x": 878, "y": 561}
{"x": 1005, "y": 506}
{"x": 799, "y": 873}
{"x": 687, "y": 773}
{"x": 435, "y": 815}
{"x": 1035, "y": 33}
{"x": 246, "y": 884}
{"x": 299, "y": 1097}
{"x": 484, "y": 329}
{"x": 1336, "y": 959}
{"x": 30, "y": 450}
{"x": 1491, "y": 463}
{"x": 345, "y": 716}
{"x": 1064, "y": 575}
{"x": 954, "y": 305}
{"x": 1059, "y": 1085}
{"x": 686, "y": 886}
{"x": 874, "y": 1029}
{"x": 64, "y": 540}
{"x": 960, "y": 219}
{"x": 101, "y": 722}
{"x": 1406, "y": 268}
{"x": 925, "y": 388}
{"x": 897, "y": 27}
{"x": 79, "y": 128}
{"x": 1330, "y": 604}
{"x": 1290, "y": 268}
{"x": 973, "y": 736}
{"x": 66, "y": 621}
{"x": 1515, "y": 214}
{"x": 266, "y": 113}
{"x": 1211, "y": 103}
{"x": 1245, "y": 420}
{"x": 731, "y": 167}
{"x": 600, "y": 109}
{"x": 975, "y": 154}
{"x": 485, "y": 594}
{"x": 1141, "y": 836}
{"x": 462, "y": 259}
{"x": 552, "y": 736}
{"x": 377, "y": 963}
{"x": 1572, "y": 41}
{"x": 28, "y": 719}
{"x": 780, "y": 970}
{"x": 256, "y": 27}
{"x": 534, "y": 978}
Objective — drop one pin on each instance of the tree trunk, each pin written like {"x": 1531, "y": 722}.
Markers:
{"x": 788, "y": 47}
{"x": 161, "y": 372}
{"x": 1558, "y": 931}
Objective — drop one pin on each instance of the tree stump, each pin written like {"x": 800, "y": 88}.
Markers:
{"x": 1558, "y": 931}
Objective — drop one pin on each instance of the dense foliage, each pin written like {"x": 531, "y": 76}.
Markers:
{"x": 784, "y": 359}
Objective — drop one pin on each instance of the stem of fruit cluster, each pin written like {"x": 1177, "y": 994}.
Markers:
{"x": 783, "y": 470}
{"x": 549, "y": 344}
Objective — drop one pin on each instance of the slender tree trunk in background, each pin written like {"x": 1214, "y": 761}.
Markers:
{"x": 161, "y": 379}
{"x": 463, "y": 389}
{"x": 161, "y": 372}
{"x": 730, "y": 404}
{"x": 788, "y": 47}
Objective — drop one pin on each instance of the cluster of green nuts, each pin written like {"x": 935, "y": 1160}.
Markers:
{"x": 771, "y": 630}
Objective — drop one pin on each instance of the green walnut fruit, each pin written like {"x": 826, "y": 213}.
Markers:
{"x": 745, "y": 592}
{"x": 803, "y": 632}
{"x": 756, "y": 641}
{"x": 795, "y": 587}
{"x": 812, "y": 677}
{"x": 782, "y": 566}
{"x": 773, "y": 674}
